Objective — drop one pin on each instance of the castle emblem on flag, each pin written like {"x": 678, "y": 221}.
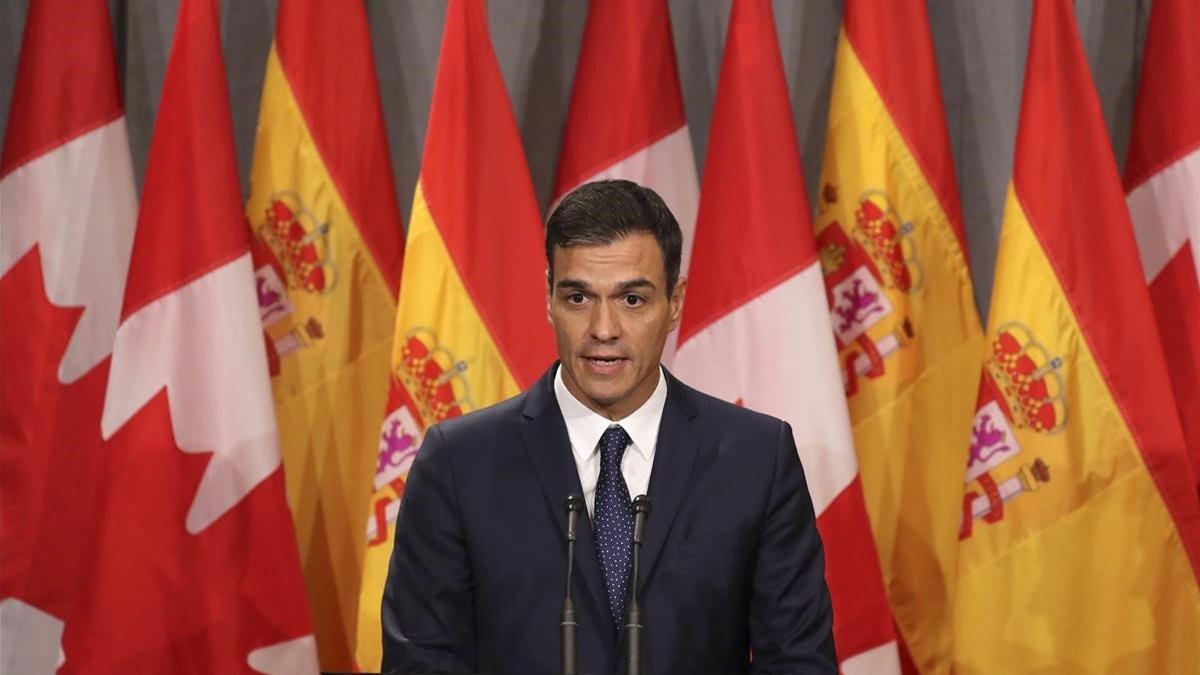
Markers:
{"x": 299, "y": 243}
{"x": 429, "y": 386}
{"x": 1029, "y": 379}
{"x": 1022, "y": 388}
{"x": 433, "y": 376}
{"x": 888, "y": 239}
{"x": 869, "y": 269}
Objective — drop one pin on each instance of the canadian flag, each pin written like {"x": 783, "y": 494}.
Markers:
{"x": 628, "y": 55}
{"x": 756, "y": 328}
{"x": 1162, "y": 177}
{"x": 67, "y": 210}
{"x": 144, "y": 525}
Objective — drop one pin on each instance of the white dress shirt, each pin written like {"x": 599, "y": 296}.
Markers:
{"x": 584, "y": 428}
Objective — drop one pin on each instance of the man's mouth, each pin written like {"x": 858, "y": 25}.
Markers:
{"x": 604, "y": 364}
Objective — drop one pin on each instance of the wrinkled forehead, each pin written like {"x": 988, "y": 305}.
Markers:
{"x": 610, "y": 266}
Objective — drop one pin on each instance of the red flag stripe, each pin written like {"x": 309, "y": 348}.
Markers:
{"x": 471, "y": 115}
{"x": 62, "y": 266}
{"x": 192, "y": 447}
{"x": 63, "y": 91}
{"x": 1160, "y": 178}
{"x": 852, "y": 563}
{"x": 1076, "y": 208}
{"x": 50, "y": 453}
{"x": 753, "y": 207}
{"x": 1176, "y": 299}
{"x": 338, "y": 94}
{"x": 1167, "y": 113}
{"x": 638, "y": 32}
{"x": 884, "y": 33}
{"x": 206, "y": 205}
{"x": 757, "y": 102}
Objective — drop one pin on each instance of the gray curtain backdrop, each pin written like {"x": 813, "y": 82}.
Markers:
{"x": 980, "y": 47}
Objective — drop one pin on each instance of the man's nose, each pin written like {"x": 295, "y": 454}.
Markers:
{"x": 604, "y": 325}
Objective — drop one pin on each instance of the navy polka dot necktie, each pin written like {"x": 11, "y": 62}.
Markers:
{"x": 614, "y": 520}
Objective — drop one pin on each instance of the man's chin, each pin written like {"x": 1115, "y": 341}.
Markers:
{"x": 604, "y": 397}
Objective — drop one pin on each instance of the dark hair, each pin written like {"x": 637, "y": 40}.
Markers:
{"x": 604, "y": 211}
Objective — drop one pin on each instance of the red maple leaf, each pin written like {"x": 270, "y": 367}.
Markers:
{"x": 49, "y": 446}
{"x": 94, "y": 533}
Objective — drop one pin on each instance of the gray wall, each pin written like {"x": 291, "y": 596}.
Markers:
{"x": 980, "y": 47}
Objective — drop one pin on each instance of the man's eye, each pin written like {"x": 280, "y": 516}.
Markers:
{"x": 632, "y": 300}
{"x": 575, "y": 298}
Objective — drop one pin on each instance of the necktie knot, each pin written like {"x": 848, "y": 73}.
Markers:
{"x": 613, "y": 443}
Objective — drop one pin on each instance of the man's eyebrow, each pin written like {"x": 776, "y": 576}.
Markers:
{"x": 623, "y": 287}
{"x": 571, "y": 284}
{"x": 640, "y": 282}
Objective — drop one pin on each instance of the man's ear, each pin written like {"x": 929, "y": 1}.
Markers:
{"x": 677, "y": 301}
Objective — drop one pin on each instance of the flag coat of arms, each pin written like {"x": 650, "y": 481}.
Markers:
{"x": 327, "y": 250}
{"x": 893, "y": 256}
{"x": 471, "y": 326}
{"x": 1080, "y": 525}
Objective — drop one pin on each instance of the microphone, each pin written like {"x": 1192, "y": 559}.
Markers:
{"x": 633, "y": 615}
{"x": 574, "y": 504}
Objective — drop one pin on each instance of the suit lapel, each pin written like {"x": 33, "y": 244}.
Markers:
{"x": 674, "y": 455}
{"x": 549, "y": 451}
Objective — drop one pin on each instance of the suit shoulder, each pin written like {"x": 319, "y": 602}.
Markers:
{"x": 483, "y": 423}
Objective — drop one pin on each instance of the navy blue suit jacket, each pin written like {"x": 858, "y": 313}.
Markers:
{"x": 731, "y": 562}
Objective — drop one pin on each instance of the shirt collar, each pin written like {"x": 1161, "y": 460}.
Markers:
{"x": 585, "y": 427}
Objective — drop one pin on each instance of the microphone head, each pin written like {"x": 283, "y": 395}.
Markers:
{"x": 575, "y": 502}
{"x": 641, "y": 504}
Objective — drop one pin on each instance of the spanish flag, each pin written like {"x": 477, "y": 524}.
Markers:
{"x": 1080, "y": 523}
{"x": 327, "y": 251}
{"x": 471, "y": 326}
{"x": 893, "y": 256}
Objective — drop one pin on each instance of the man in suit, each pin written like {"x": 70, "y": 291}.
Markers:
{"x": 731, "y": 572}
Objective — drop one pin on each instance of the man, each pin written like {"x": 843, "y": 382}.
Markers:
{"x": 731, "y": 572}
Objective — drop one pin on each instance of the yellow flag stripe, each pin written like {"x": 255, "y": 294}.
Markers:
{"x": 439, "y": 300}
{"x": 1090, "y": 532}
{"x": 916, "y": 360}
{"x": 448, "y": 364}
{"x": 328, "y": 314}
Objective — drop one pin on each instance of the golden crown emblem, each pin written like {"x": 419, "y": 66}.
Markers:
{"x": 432, "y": 376}
{"x": 1029, "y": 378}
{"x": 888, "y": 239}
{"x": 300, "y": 243}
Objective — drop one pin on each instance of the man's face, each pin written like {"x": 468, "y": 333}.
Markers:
{"x": 611, "y": 316}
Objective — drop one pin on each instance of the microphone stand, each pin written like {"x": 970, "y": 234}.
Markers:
{"x": 633, "y": 615}
{"x": 568, "y": 625}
